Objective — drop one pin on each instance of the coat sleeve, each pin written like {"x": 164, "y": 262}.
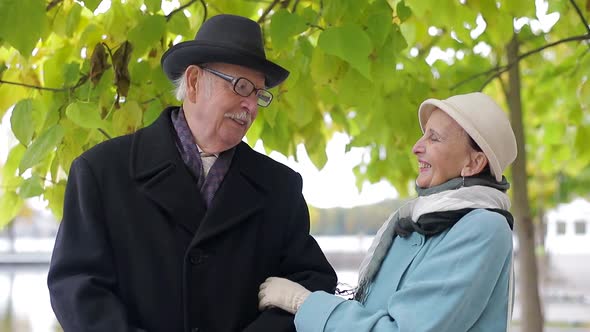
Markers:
{"x": 302, "y": 261}
{"x": 447, "y": 292}
{"x": 82, "y": 278}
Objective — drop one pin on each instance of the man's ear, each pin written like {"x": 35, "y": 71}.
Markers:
{"x": 192, "y": 76}
{"x": 477, "y": 163}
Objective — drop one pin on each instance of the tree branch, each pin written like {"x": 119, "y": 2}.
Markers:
{"x": 499, "y": 70}
{"x": 204, "y": 11}
{"x": 108, "y": 49}
{"x": 472, "y": 77}
{"x": 294, "y": 8}
{"x": 104, "y": 133}
{"x": 179, "y": 9}
{"x": 315, "y": 26}
{"x": 47, "y": 180}
{"x": 33, "y": 86}
{"x": 81, "y": 81}
{"x": 267, "y": 11}
{"x": 561, "y": 41}
{"x": 151, "y": 99}
{"x": 52, "y": 4}
{"x": 580, "y": 15}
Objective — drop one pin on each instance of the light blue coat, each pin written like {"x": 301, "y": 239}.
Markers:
{"x": 452, "y": 282}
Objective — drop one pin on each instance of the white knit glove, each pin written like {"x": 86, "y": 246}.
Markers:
{"x": 281, "y": 293}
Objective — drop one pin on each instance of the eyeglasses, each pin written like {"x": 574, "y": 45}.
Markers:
{"x": 244, "y": 87}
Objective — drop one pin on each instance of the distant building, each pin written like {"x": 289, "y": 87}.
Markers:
{"x": 568, "y": 228}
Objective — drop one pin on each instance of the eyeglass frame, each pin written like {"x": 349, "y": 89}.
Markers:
{"x": 234, "y": 82}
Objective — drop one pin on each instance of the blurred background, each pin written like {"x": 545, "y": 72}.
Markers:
{"x": 74, "y": 73}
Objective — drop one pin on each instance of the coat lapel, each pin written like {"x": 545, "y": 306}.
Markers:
{"x": 157, "y": 167}
{"x": 405, "y": 250}
{"x": 239, "y": 196}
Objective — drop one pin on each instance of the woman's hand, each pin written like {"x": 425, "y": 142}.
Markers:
{"x": 281, "y": 293}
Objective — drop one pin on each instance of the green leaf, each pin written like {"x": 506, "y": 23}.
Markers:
{"x": 91, "y": 35}
{"x": 31, "y": 187}
{"x": 14, "y": 157}
{"x": 117, "y": 21}
{"x": 302, "y": 110}
{"x": 22, "y": 22}
{"x": 519, "y": 8}
{"x": 41, "y": 147}
{"x": 127, "y": 119}
{"x": 10, "y": 205}
{"x": 350, "y": 43}
{"x": 316, "y": 148}
{"x": 152, "y": 113}
{"x": 180, "y": 25}
{"x": 85, "y": 115}
{"x": 325, "y": 68}
{"x": 53, "y": 68}
{"x": 584, "y": 94}
{"x": 153, "y": 5}
{"x": 92, "y": 4}
{"x": 284, "y": 26}
{"x": 554, "y": 133}
{"x": 10, "y": 94}
{"x": 253, "y": 134}
{"x": 55, "y": 197}
{"x": 340, "y": 11}
{"x": 309, "y": 15}
{"x": 379, "y": 27}
{"x": 71, "y": 73}
{"x": 73, "y": 19}
{"x": 403, "y": 12}
{"x": 148, "y": 32}
{"x": 582, "y": 139}
{"x": 420, "y": 7}
{"x": 500, "y": 26}
{"x": 22, "y": 121}
{"x": 270, "y": 115}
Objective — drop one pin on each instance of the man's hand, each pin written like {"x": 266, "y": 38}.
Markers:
{"x": 281, "y": 293}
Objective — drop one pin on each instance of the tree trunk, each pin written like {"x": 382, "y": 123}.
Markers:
{"x": 541, "y": 232}
{"x": 11, "y": 236}
{"x": 531, "y": 316}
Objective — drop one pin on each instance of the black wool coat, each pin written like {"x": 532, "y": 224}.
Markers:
{"x": 138, "y": 251}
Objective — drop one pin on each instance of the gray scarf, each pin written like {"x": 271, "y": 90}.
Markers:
{"x": 480, "y": 191}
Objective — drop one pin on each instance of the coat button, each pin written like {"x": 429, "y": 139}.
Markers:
{"x": 197, "y": 257}
{"x": 195, "y": 260}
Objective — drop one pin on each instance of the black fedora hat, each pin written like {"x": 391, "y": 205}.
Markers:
{"x": 224, "y": 38}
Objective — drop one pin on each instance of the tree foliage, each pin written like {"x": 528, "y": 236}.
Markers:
{"x": 78, "y": 76}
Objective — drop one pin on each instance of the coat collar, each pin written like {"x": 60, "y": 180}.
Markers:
{"x": 158, "y": 169}
{"x": 240, "y": 195}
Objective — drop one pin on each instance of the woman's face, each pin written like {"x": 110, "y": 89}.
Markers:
{"x": 443, "y": 151}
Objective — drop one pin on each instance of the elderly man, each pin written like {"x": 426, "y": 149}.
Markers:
{"x": 174, "y": 228}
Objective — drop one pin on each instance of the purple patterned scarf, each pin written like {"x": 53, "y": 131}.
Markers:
{"x": 192, "y": 158}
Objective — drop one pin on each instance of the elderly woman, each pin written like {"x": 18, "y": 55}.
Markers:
{"x": 443, "y": 261}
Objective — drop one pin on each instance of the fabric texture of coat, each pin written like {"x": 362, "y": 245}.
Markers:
{"x": 451, "y": 282}
{"x": 138, "y": 251}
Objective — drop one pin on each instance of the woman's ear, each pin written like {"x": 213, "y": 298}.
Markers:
{"x": 477, "y": 163}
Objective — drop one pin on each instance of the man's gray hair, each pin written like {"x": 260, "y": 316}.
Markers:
{"x": 180, "y": 87}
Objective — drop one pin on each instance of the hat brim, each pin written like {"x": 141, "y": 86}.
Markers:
{"x": 180, "y": 56}
{"x": 429, "y": 105}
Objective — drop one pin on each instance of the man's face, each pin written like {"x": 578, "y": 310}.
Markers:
{"x": 218, "y": 117}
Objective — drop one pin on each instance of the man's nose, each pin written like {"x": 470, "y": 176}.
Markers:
{"x": 250, "y": 102}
